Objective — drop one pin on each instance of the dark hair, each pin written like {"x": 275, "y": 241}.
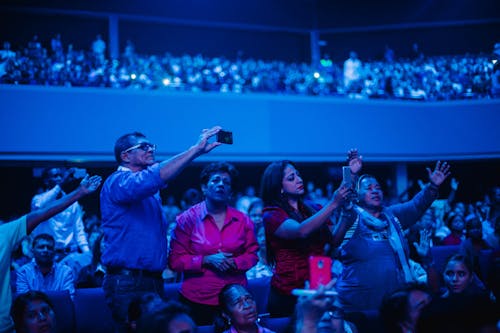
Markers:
{"x": 220, "y": 324}
{"x": 215, "y": 167}
{"x": 394, "y": 308}
{"x": 124, "y": 142}
{"x": 463, "y": 258}
{"x": 270, "y": 191}
{"x": 143, "y": 304}
{"x": 21, "y": 303}
{"x": 46, "y": 237}
{"x": 46, "y": 172}
{"x": 255, "y": 203}
{"x": 159, "y": 319}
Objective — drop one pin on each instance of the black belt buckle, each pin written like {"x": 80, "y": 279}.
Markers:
{"x": 134, "y": 272}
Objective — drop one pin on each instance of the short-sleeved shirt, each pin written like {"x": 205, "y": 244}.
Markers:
{"x": 10, "y": 234}
{"x": 291, "y": 255}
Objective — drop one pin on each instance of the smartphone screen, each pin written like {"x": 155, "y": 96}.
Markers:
{"x": 320, "y": 271}
{"x": 346, "y": 176}
{"x": 225, "y": 137}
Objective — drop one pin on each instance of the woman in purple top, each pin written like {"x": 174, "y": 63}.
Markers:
{"x": 212, "y": 244}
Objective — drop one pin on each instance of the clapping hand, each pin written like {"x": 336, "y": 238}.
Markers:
{"x": 440, "y": 173}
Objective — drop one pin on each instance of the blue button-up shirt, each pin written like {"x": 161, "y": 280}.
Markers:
{"x": 132, "y": 220}
{"x": 60, "y": 277}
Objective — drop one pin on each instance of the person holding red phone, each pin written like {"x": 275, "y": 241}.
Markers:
{"x": 295, "y": 231}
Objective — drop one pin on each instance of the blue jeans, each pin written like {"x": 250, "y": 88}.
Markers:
{"x": 121, "y": 289}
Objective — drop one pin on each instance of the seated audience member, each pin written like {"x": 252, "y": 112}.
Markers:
{"x": 33, "y": 312}
{"x": 173, "y": 317}
{"x": 213, "y": 244}
{"x": 474, "y": 244}
{"x": 456, "y": 224}
{"x": 12, "y": 232}
{"x": 465, "y": 305}
{"x": 400, "y": 310}
{"x": 43, "y": 273}
{"x": 238, "y": 311}
{"x": 91, "y": 276}
{"x": 141, "y": 306}
{"x": 262, "y": 269}
{"x": 320, "y": 313}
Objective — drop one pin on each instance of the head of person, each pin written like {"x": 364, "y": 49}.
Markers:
{"x": 52, "y": 176}
{"x": 43, "y": 248}
{"x": 428, "y": 220}
{"x": 474, "y": 229}
{"x": 140, "y": 306}
{"x": 238, "y": 307}
{"x": 133, "y": 150}
{"x": 190, "y": 197}
{"x": 33, "y": 312}
{"x": 370, "y": 193}
{"x": 455, "y": 222}
{"x": 401, "y": 309}
{"x": 172, "y": 317}
{"x": 255, "y": 211}
{"x": 458, "y": 273}
{"x": 217, "y": 180}
{"x": 280, "y": 182}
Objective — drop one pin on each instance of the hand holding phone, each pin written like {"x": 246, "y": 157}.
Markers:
{"x": 225, "y": 137}
{"x": 320, "y": 271}
{"x": 346, "y": 176}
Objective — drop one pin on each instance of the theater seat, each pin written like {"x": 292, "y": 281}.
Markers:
{"x": 64, "y": 310}
{"x": 259, "y": 288}
{"x": 91, "y": 312}
{"x": 278, "y": 325}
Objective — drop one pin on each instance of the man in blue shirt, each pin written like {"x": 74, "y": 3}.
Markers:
{"x": 134, "y": 226}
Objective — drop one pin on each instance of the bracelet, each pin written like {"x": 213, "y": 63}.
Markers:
{"x": 336, "y": 313}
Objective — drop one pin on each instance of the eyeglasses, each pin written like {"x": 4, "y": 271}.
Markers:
{"x": 145, "y": 146}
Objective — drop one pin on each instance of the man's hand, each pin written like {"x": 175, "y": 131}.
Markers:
{"x": 424, "y": 245}
{"x": 90, "y": 184}
{"x": 440, "y": 173}
{"x": 203, "y": 145}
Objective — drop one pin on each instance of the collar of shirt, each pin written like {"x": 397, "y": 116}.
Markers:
{"x": 37, "y": 267}
{"x": 204, "y": 214}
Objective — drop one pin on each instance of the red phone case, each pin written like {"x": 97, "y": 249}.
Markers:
{"x": 320, "y": 271}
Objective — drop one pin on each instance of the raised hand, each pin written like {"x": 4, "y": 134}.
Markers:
{"x": 90, "y": 184}
{"x": 440, "y": 173}
{"x": 203, "y": 145}
{"x": 354, "y": 160}
{"x": 424, "y": 245}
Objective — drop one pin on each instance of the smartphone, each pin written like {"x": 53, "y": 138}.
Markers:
{"x": 320, "y": 271}
{"x": 225, "y": 137}
{"x": 346, "y": 176}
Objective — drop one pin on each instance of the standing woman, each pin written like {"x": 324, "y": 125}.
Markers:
{"x": 294, "y": 231}
{"x": 212, "y": 244}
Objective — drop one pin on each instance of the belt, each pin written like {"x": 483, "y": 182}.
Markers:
{"x": 134, "y": 272}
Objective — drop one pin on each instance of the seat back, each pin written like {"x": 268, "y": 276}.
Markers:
{"x": 63, "y": 309}
{"x": 91, "y": 311}
{"x": 259, "y": 288}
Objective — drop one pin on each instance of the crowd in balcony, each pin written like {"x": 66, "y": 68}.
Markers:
{"x": 434, "y": 78}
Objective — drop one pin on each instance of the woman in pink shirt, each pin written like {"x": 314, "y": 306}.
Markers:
{"x": 212, "y": 244}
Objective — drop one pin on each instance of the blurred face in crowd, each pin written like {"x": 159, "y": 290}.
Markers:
{"x": 38, "y": 318}
{"x": 140, "y": 155}
{"x": 457, "y": 224}
{"x": 475, "y": 229}
{"x": 181, "y": 324}
{"x": 43, "y": 252}
{"x": 218, "y": 187}
{"x": 54, "y": 177}
{"x": 241, "y": 307}
{"x": 370, "y": 192}
{"x": 256, "y": 214}
{"x": 457, "y": 276}
{"x": 292, "y": 183}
